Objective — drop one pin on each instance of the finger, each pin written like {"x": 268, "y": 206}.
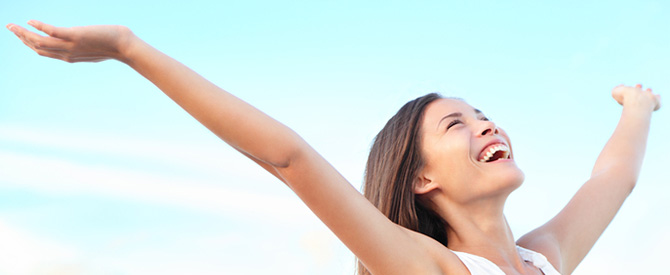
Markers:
{"x": 26, "y": 42}
{"x": 47, "y": 53}
{"x": 15, "y": 29}
{"x": 50, "y": 43}
{"x": 36, "y": 41}
{"x": 23, "y": 33}
{"x": 57, "y": 54}
{"x": 62, "y": 33}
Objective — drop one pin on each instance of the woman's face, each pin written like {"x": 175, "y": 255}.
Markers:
{"x": 467, "y": 156}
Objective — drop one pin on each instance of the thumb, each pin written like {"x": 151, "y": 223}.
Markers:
{"x": 62, "y": 33}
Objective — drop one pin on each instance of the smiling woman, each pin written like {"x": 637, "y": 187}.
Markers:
{"x": 437, "y": 179}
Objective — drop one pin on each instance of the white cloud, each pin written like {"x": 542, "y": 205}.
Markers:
{"x": 42, "y": 171}
{"x": 243, "y": 190}
{"x": 60, "y": 176}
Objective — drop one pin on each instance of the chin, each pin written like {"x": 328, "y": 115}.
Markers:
{"x": 517, "y": 179}
{"x": 508, "y": 180}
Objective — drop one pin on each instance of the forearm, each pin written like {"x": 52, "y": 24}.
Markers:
{"x": 233, "y": 120}
{"x": 623, "y": 153}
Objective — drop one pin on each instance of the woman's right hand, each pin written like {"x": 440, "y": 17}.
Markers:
{"x": 76, "y": 44}
{"x": 384, "y": 247}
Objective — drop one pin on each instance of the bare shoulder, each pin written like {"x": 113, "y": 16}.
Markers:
{"x": 540, "y": 241}
{"x": 446, "y": 261}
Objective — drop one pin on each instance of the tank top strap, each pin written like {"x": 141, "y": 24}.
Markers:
{"x": 538, "y": 260}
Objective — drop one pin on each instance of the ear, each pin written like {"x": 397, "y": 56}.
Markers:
{"x": 424, "y": 185}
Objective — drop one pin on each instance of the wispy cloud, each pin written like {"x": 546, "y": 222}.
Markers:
{"x": 43, "y": 169}
{"x": 59, "y": 175}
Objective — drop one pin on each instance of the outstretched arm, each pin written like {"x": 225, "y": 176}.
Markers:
{"x": 225, "y": 115}
{"x": 570, "y": 235}
{"x": 383, "y": 246}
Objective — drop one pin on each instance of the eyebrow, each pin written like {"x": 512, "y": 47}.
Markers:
{"x": 448, "y": 116}
{"x": 456, "y": 114}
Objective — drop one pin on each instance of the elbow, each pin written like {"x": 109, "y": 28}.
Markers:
{"x": 626, "y": 185}
{"x": 631, "y": 185}
{"x": 284, "y": 161}
{"x": 287, "y": 154}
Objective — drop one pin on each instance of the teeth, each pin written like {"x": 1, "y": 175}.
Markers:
{"x": 493, "y": 150}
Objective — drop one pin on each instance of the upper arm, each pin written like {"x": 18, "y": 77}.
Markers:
{"x": 383, "y": 246}
{"x": 571, "y": 234}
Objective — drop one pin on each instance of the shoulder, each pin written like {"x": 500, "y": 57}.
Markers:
{"x": 544, "y": 244}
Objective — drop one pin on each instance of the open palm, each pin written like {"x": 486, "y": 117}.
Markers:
{"x": 75, "y": 44}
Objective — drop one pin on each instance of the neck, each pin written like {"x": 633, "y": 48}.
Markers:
{"x": 480, "y": 228}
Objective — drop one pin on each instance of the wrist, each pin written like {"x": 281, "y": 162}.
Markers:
{"x": 638, "y": 103}
{"x": 638, "y": 111}
{"x": 128, "y": 41}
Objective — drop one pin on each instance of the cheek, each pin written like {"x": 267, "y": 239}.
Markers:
{"x": 452, "y": 156}
{"x": 449, "y": 158}
{"x": 454, "y": 169}
{"x": 458, "y": 158}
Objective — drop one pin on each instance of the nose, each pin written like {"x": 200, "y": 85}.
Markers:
{"x": 490, "y": 128}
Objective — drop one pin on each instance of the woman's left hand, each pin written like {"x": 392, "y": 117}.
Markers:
{"x": 627, "y": 95}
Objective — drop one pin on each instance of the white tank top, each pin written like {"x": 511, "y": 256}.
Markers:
{"x": 482, "y": 266}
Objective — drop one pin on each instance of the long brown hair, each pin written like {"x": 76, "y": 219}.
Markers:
{"x": 393, "y": 165}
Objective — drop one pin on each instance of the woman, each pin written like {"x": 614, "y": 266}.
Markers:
{"x": 438, "y": 175}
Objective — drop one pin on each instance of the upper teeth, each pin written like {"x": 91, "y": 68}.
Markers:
{"x": 493, "y": 149}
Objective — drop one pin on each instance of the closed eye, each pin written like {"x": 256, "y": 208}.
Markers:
{"x": 453, "y": 123}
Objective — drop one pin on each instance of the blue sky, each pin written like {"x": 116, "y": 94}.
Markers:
{"x": 100, "y": 173}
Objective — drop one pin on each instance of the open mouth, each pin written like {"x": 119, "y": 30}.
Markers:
{"x": 495, "y": 152}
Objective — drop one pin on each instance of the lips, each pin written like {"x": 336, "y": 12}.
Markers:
{"x": 494, "y": 151}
